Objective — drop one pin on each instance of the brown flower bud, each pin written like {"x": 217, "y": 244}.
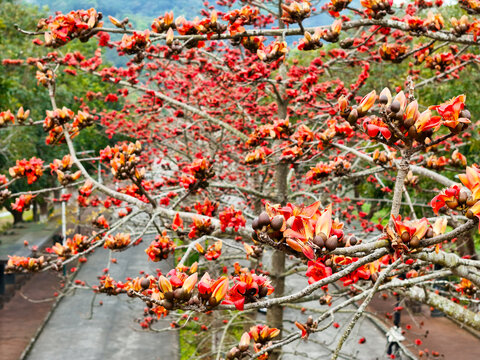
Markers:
{"x": 415, "y": 242}
{"x": 331, "y": 243}
{"x": 462, "y": 197}
{"x": 395, "y": 107}
{"x": 469, "y": 214}
{"x": 277, "y": 222}
{"x": 263, "y": 219}
{"x": 405, "y": 237}
{"x": 319, "y": 240}
{"x": 145, "y": 283}
{"x": 353, "y": 116}
{"x": 452, "y": 204}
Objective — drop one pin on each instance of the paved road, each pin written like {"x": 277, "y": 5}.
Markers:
{"x": 320, "y": 345}
{"x": 111, "y": 332}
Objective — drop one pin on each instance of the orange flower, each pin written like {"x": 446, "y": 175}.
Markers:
{"x": 447, "y": 196}
{"x": 451, "y": 111}
{"x": 367, "y": 102}
{"x": 177, "y": 222}
{"x": 373, "y": 126}
{"x": 426, "y": 121}
{"x": 273, "y": 52}
{"x": 119, "y": 241}
{"x": 160, "y": 248}
{"x": 471, "y": 179}
{"x": 164, "y": 284}
{"x": 458, "y": 158}
{"x": 220, "y": 291}
{"x": 262, "y": 333}
{"x": 413, "y": 228}
{"x": 189, "y": 283}
{"x": 22, "y": 202}
{"x": 163, "y": 23}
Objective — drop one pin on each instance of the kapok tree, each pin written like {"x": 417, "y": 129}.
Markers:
{"x": 234, "y": 128}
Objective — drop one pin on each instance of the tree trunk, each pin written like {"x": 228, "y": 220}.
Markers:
{"x": 17, "y": 216}
{"x": 466, "y": 245}
{"x": 44, "y": 211}
{"x": 277, "y": 265}
{"x": 275, "y": 313}
{"x": 35, "y": 211}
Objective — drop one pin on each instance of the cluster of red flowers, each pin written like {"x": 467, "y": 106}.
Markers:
{"x": 22, "y": 202}
{"x": 280, "y": 129}
{"x": 101, "y": 222}
{"x": 163, "y": 23}
{"x": 6, "y": 117}
{"x": 117, "y": 241}
{"x": 124, "y": 160}
{"x": 61, "y": 167}
{"x": 258, "y": 155}
{"x": 22, "y": 263}
{"x": 304, "y": 229}
{"x": 86, "y": 189}
{"x": 377, "y": 8}
{"x": 160, "y": 248}
{"x": 392, "y": 52}
{"x": 457, "y": 198}
{"x": 74, "y": 245}
{"x": 440, "y": 62}
{"x": 262, "y": 336}
{"x": 415, "y": 125}
{"x": 206, "y": 208}
{"x": 409, "y": 233}
{"x": 238, "y": 18}
{"x": 132, "y": 44}
{"x": 317, "y": 270}
{"x": 335, "y": 6}
{"x": 273, "y": 52}
{"x": 212, "y": 291}
{"x": 213, "y": 252}
{"x": 197, "y": 174}
{"x": 466, "y": 287}
{"x": 313, "y": 41}
{"x": 56, "y": 119}
{"x": 3, "y": 179}
{"x": 339, "y": 166}
{"x": 65, "y": 27}
{"x": 200, "y": 227}
{"x": 296, "y": 12}
{"x": 229, "y": 217}
{"x": 31, "y": 169}
{"x": 248, "y": 287}
{"x": 354, "y": 276}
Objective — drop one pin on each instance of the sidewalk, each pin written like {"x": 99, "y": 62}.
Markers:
{"x": 19, "y": 317}
{"x": 437, "y": 334}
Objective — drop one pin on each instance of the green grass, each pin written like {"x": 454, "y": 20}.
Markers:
{"x": 6, "y": 222}
{"x": 192, "y": 335}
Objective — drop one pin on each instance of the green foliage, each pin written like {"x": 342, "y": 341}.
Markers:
{"x": 18, "y": 87}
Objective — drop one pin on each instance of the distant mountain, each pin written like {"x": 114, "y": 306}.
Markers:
{"x": 140, "y": 12}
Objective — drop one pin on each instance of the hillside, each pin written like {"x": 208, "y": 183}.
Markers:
{"x": 140, "y": 12}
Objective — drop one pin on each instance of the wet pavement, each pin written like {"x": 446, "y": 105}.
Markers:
{"x": 82, "y": 329}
